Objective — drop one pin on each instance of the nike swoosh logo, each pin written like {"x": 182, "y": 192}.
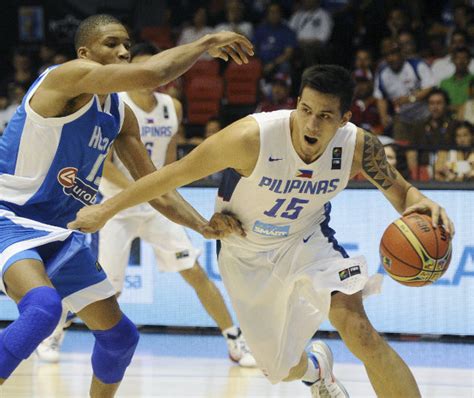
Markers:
{"x": 306, "y": 239}
{"x": 270, "y": 159}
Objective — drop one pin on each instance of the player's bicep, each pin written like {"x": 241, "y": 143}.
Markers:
{"x": 87, "y": 77}
{"x": 236, "y": 146}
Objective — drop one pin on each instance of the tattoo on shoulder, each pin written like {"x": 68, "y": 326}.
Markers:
{"x": 375, "y": 163}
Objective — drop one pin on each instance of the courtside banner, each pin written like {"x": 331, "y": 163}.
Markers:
{"x": 359, "y": 217}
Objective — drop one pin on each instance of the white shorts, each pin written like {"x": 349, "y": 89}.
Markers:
{"x": 281, "y": 297}
{"x": 172, "y": 246}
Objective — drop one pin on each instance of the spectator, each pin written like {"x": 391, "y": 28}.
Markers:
{"x": 401, "y": 86}
{"x": 457, "y": 164}
{"x": 274, "y": 42}
{"x": 46, "y": 54}
{"x": 364, "y": 63}
{"x": 234, "y": 23}
{"x": 280, "y": 95}
{"x": 16, "y": 92}
{"x": 395, "y": 157}
{"x": 212, "y": 127}
{"x": 457, "y": 86}
{"x": 364, "y": 107}
{"x": 198, "y": 29}
{"x": 436, "y": 130}
{"x": 397, "y": 20}
{"x": 466, "y": 110}
{"x": 313, "y": 27}
{"x": 22, "y": 70}
{"x": 407, "y": 42}
{"x": 444, "y": 67}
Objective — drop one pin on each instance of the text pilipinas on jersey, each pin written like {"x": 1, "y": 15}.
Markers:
{"x": 300, "y": 186}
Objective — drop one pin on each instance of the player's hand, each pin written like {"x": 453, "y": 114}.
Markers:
{"x": 438, "y": 214}
{"x": 222, "y": 225}
{"x": 89, "y": 219}
{"x": 230, "y": 44}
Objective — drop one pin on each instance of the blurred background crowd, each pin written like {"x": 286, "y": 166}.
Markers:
{"x": 411, "y": 61}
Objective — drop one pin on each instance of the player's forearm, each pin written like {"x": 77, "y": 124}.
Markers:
{"x": 170, "y": 64}
{"x": 145, "y": 189}
{"x": 115, "y": 176}
{"x": 173, "y": 206}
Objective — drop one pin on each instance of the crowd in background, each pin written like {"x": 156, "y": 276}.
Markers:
{"x": 412, "y": 65}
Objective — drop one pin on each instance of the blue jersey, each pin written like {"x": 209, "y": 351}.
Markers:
{"x": 51, "y": 167}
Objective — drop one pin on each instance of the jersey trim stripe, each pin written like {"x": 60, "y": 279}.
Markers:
{"x": 329, "y": 233}
{"x": 229, "y": 182}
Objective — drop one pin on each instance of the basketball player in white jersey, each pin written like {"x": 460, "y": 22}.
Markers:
{"x": 51, "y": 159}
{"x": 288, "y": 273}
{"x": 159, "y": 117}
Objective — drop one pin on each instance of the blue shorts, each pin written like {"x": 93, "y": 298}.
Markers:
{"x": 69, "y": 262}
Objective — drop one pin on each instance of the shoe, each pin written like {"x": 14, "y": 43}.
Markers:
{"x": 239, "y": 352}
{"x": 327, "y": 386}
{"x": 48, "y": 350}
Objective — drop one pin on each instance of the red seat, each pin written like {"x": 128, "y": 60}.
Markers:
{"x": 251, "y": 71}
{"x": 158, "y": 35}
{"x": 204, "y": 96}
{"x": 202, "y": 68}
{"x": 242, "y": 82}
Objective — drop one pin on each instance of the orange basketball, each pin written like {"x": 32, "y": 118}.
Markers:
{"x": 413, "y": 252}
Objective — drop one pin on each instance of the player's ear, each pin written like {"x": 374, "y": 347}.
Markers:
{"x": 82, "y": 52}
{"x": 345, "y": 118}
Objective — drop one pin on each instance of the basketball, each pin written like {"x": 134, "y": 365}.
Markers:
{"x": 413, "y": 252}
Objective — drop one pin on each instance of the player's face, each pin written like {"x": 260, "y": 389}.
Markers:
{"x": 111, "y": 46}
{"x": 315, "y": 122}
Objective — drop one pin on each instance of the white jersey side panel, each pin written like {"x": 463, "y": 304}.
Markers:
{"x": 157, "y": 128}
{"x": 284, "y": 197}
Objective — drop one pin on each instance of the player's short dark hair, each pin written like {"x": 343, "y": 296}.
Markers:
{"x": 145, "y": 48}
{"x": 439, "y": 91}
{"x": 330, "y": 79}
{"x": 89, "y": 26}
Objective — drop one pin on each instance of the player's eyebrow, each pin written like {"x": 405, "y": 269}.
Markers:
{"x": 321, "y": 111}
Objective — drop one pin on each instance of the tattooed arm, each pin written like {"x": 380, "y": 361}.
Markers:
{"x": 370, "y": 159}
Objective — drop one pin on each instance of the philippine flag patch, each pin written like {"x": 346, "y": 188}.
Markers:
{"x": 302, "y": 173}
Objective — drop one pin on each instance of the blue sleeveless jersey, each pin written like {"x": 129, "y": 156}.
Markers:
{"x": 51, "y": 167}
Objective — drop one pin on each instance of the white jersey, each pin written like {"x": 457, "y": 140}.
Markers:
{"x": 285, "y": 198}
{"x": 156, "y": 130}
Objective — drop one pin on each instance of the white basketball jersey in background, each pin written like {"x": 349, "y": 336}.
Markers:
{"x": 284, "y": 197}
{"x": 156, "y": 130}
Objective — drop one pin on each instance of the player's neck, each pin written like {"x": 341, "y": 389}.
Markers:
{"x": 145, "y": 100}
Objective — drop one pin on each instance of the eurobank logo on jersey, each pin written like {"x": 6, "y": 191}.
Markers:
{"x": 276, "y": 231}
{"x": 75, "y": 187}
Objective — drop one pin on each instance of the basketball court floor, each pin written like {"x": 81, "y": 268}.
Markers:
{"x": 171, "y": 365}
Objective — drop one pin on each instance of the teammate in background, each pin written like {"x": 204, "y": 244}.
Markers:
{"x": 51, "y": 158}
{"x": 159, "y": 117}
{"x": 288, "y": 273}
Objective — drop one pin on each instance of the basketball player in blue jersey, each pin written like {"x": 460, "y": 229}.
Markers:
{"x": 51, "y": 157}
{"x": 288, "y": 273}
{"x": 159, "y": 117}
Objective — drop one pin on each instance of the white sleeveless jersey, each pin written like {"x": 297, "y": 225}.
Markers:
{"x": 156, "y": 130}
{"x": 285, "y": 198}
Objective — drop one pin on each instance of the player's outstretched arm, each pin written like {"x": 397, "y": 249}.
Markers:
{"x": 370, "y": 159}
{"x": 236, "y": 146}
{"x": 83, "y": 76}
